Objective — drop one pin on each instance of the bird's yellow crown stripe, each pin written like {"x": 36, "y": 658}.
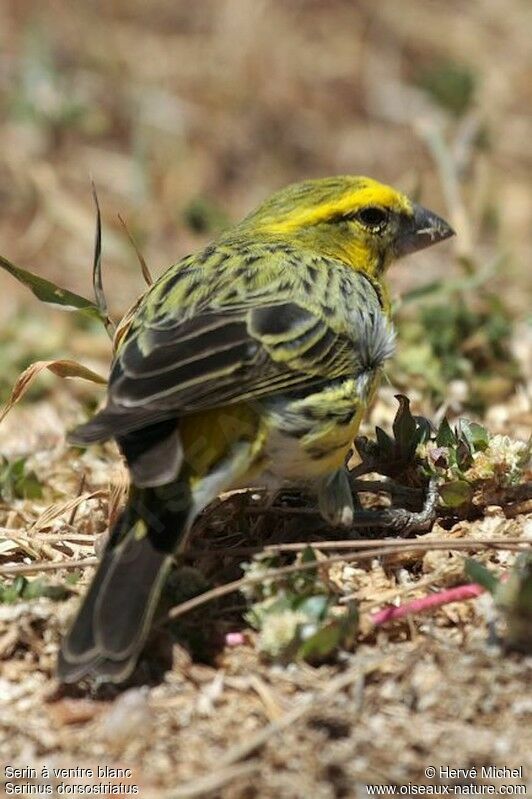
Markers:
{"x": 371, "y": 194}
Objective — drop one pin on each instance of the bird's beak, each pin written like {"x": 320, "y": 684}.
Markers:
{"x": 421, "y": 230}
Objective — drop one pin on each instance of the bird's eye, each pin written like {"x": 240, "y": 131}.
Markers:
{"x": 372, "y": 217}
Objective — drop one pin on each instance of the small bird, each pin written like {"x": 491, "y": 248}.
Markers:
{"x": 250, "y": 362}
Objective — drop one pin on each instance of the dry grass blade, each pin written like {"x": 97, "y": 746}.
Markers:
{"x": 97, "y": 283}
{"x": 118, "y": 493}
{"x": 74, "y": 511}
{"x": 271, "y": 706}
{"x": 146, "y": 274}
{"x": 61, "y": 368}
{"x": 50, "y": 538}
{"x": 58, "y": 509}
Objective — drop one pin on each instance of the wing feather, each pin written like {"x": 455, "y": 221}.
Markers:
{"x": 240, "y": 352}
{"x": 217, "y": 358}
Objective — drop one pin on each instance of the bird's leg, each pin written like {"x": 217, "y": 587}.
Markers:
{"x": 399, "y": 493}
{"x": 400, "y": 521}
{"x": 336, "y": 500}
{"x": 286, "y": 501}
{"x": 340, "y": 506}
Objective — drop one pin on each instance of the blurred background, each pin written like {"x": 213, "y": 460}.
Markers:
{"x": 186, "y": 115}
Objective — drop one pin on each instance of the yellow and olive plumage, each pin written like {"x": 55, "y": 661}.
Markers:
{"x": 250, "y": 361}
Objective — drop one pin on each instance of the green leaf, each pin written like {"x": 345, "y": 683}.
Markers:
{"x": 424, "y": 429}
{"x": 475, "y": 434}
{"x": 17, "y": 482}
{"x": 48, "y": 292}
{"x": 479, "y": 574}
{"x": 35, "y": 589}
{"x": 464, "y": 458}
{"x": 314, "y": 607}
{"x": 405, "y": 428}
{"x": 455, "y": 493}
{"x": 322, "y": 644}
{"x": 13, "y": 592}
{"x": 73, "y": 577}
{"x": 445, "y": 436}
{"x": 337, "y": 632}
{"x": 451, "y": 85}
{"x": 385, "y": 443}
{"x": 308, "y": 555}
{"x": 258, "y": 612}
{"x": 22, "y": 588}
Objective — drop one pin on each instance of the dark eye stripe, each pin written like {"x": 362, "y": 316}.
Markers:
{"x": 372, "y": 216}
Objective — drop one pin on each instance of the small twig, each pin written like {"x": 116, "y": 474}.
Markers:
{"x": 399, "y": 543}
{"x": 271, "y": 574}
{"x": 51, "y": 538}
{"x": 75, "y": 509}
{"x": 271, "y": 706}
{"x": 282, "y": 510}
{"x": 47, "y": 566}
{"x": 146, "y": 274}
{"x": 392, "y": 593}
{"x": 456, "y": 594}
{"x": 386, "y": 486}
{"x": 357, "y": 543}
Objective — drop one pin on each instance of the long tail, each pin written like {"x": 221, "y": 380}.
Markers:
{"x": 113, "y": 622}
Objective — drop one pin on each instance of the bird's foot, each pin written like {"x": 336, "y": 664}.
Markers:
{"x": 399, "y": 521}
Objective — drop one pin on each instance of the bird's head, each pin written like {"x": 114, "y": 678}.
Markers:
{"x": 355, "y": 219}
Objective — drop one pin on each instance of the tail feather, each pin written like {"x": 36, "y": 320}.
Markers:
{"x": 80, "y": 643}
{"x": 129, "y": 593}
{"x": 112, "y": 625}
{"x": 154, "y": 457}
{"x": 108, "y": 423}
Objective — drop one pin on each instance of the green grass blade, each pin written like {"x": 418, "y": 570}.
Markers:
{"x": 48, "y": 292}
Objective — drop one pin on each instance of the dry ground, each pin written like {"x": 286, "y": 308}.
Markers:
{"x": 436, "y": 690}
{"x": 185, "y": 114}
